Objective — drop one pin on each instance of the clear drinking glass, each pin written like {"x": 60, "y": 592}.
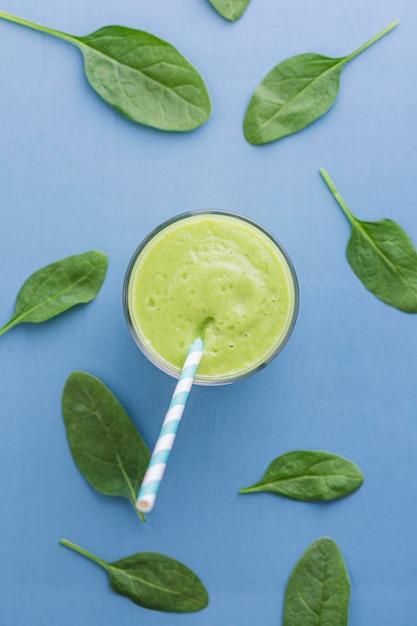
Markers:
{"x": 134, "y": 267}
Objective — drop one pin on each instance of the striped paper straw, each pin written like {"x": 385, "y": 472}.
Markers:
{"x": 160, "y": 455}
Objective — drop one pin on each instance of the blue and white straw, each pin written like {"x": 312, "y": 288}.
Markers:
{"x": 160, "y": 455}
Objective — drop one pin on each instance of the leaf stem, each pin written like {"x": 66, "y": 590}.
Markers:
{"x": 89, "y": 555}
{"x": 246, "y": 490}
{"x": 34, "y": 26}
{"x": 372, "y": 41}
{"x": 13, "y": 322}
{"x": 352, "y": 219}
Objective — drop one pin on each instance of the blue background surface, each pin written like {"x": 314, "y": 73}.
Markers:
{"x": 77, "y": 176}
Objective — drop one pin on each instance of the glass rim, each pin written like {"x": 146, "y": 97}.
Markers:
{"x": 175, "y": 372}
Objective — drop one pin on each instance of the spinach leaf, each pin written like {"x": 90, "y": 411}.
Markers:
{"x": 296, "y": 93}
{"x": 104, "y": 442}
{"x": 58, "y": 287}
{"x": 144, "y": 78}
{"x": 230, "y": 9}
{"x": 153, "y": 581}
{"x": 382, "y": 256}
{"x": 318, "y": 589}
{"x": 309, "y": 476}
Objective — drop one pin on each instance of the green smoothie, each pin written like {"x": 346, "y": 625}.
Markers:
{"x": 217, "y": 276}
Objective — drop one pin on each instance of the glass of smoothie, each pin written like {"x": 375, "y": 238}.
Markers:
{"x": 215, "y": 275}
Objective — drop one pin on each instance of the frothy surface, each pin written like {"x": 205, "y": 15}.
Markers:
{"x": 217, "y": 275}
